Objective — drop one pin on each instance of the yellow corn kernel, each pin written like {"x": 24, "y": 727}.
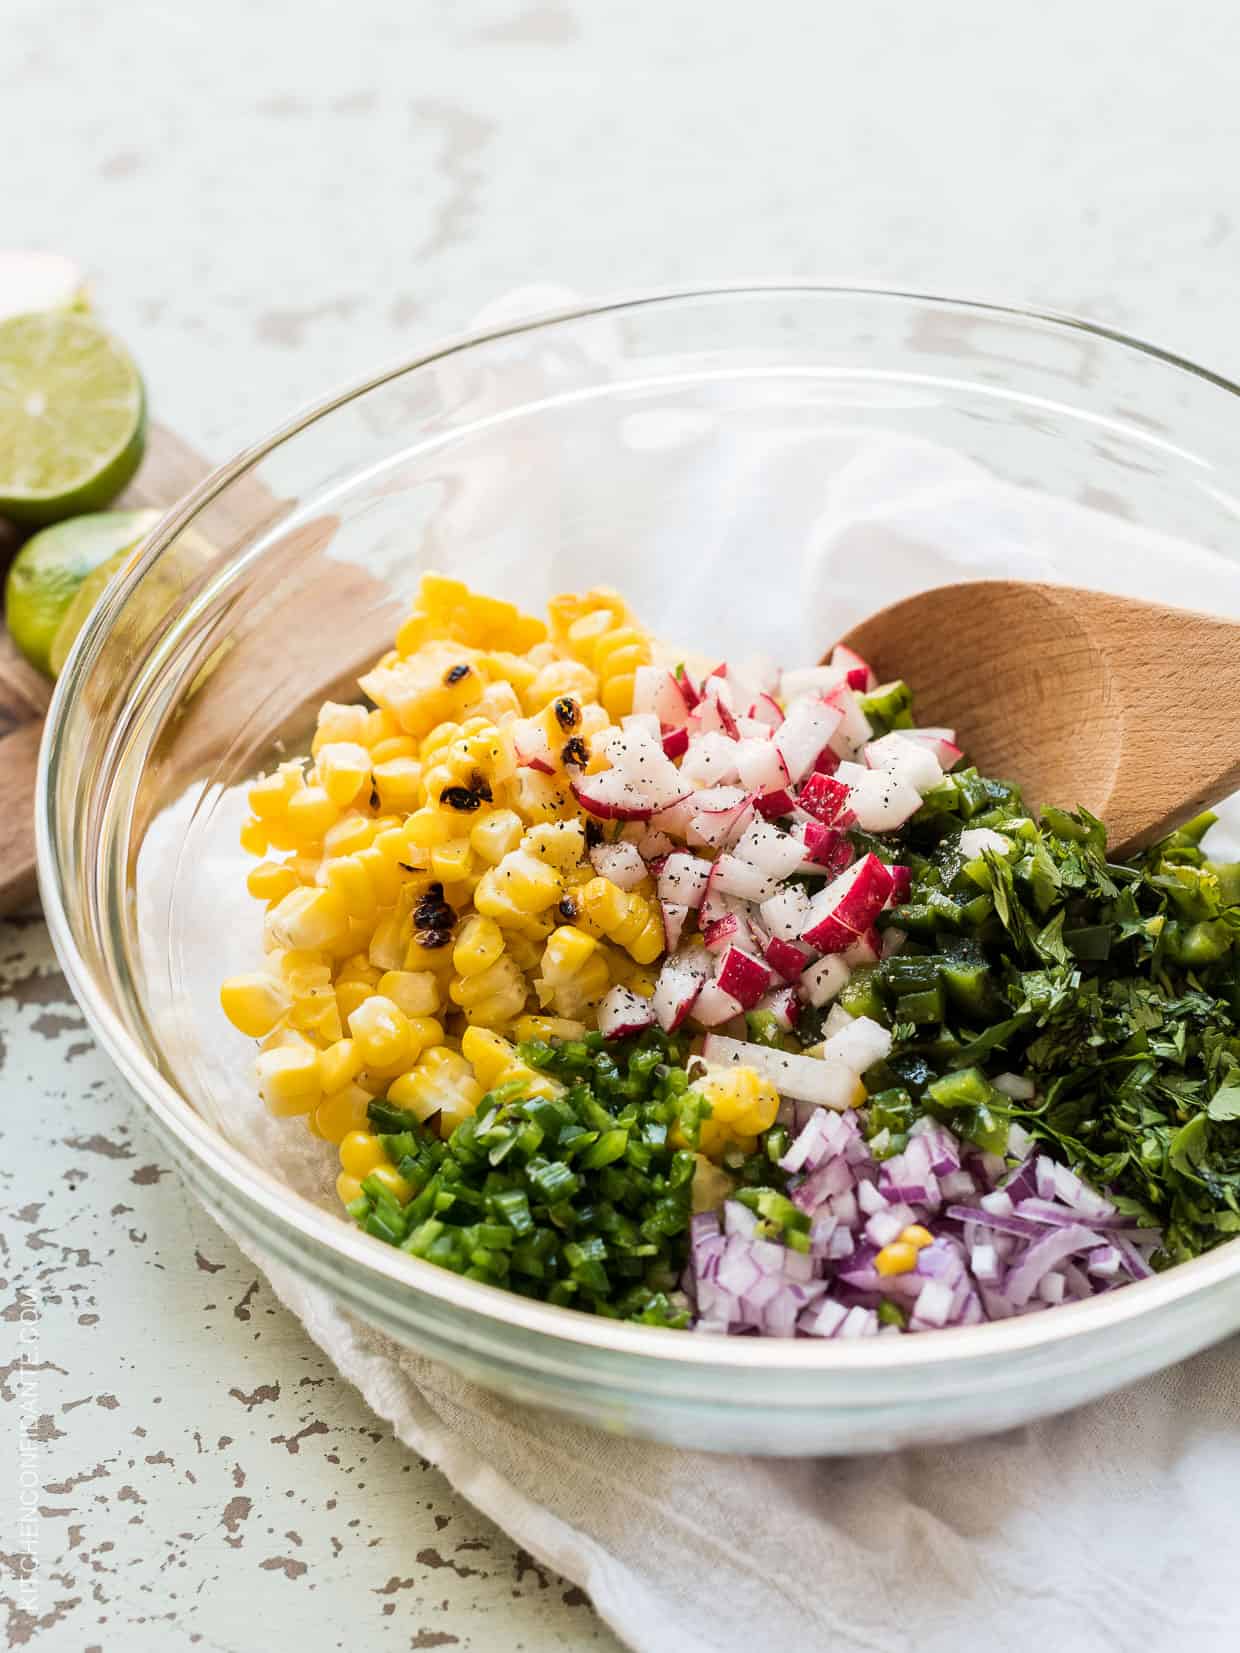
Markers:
{"x": 351, "y": 833}
{"x": 269, "y": 796}
{"x": 452, "y": 861}
{"x": 360, "y": 1153}
{"x": 306, "y": 917}
{"x": 337, "y": 1115}
{"x": 530, "y": 884}
{"x": 416, "y": 992}
{"x": 428, "y": 828}
{"x": 574, "y": 973}
{"x": 254, "y": 1003}
{"x": 350, "y": 879}
{"x": 388, "y": 1177}
{"x": 443, "y": 1082}
{"x": 380, "y": 725}
{"x": 348, "y": 1188}
{"x": 624, "y": 917}
{"x": 562, "y": 844}
{"x": 271, "y": 881}
{"x": 381, "y": 1032}
{"x": 398, "y": 782}
{"x": 524, "y": 947}
{"x": 500, "y": 701}
{"x": 340, "y": 1064}
{"x": 544, "y": 797}
{"x": 318, "y": 1014}
{"x": 916, "y": 1235}
{"x": 384, "y": 873}
{"x": 900, "y": 1257}
{"x": 567, "y": 950}
{"x": 358, "y": 968}
{"x": 488, "y": 1053}
{"x": 253, "y": 837}
{"x": 560, "y": 677}
{"x": 420, "y": 690}
{"x": 288, "y": 1079}
{"x": 479, "y": 943}
{"x": 493, "y": 997}
{"x": 496, "y": 836}
{"x": 338, "y": 723}
{"x": 351, "y": 996}
{"x": 310, "y": 812}
{"x": 399, "y": 746}
{"x": 547, "y": 1027}
{"x": 343, "y": 770}
{"x": 743, "y": 1104}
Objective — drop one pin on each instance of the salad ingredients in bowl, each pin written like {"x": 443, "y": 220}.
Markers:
{"x": 726, "y": 998}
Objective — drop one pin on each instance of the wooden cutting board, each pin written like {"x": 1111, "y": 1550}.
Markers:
{"x": 170, "y": 468}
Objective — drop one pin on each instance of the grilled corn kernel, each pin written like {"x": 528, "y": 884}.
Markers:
{"x": 350, "y": 996}
{"x": 546, "y": 1027}
{"x": 381, "y": 1032}
{"x": 492, "y": 997}
{"x": 350, "y": 879}
{"x": 288, "y": 1079}
{"x": 338, "y": 1114}
{"x": 310, "y": 812}
{"x": 743, "y": 1104}
{"x": 271, "y": 881}
{"x": 530, "y": 884}
{"x": 900, "y": 1257}
{"x": 340, "y": 1064}
{"x": 253, "y": 836}
{"x": 337, "y": 723}
{"x": 269, "y": 796}
{"x": 443, "y": 1082}
{"x": 380, "y": 725}
{"x": 479, "y": 943}
{"x": 559, "y": 677}
{"x": 343, "y": 769}
{"x": 306, "y": 917}
{"x": 416, "y": 992}
{"x": 400, "y": 746}
{"x": 428, "y": 828}
{"x": 384, "y": 873}
{"x": 452, "y": 861}
{"x": 562, "y": 844}
{"x": 496, "y": 836}
{"x": 254, "y": 1003}
{"x": 398, "y": 782}
{"x": 624, "y": 917}
{"x": 351, "y": 833}
{"x": 360, "y": 1153}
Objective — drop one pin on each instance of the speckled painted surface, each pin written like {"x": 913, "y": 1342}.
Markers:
{"x": 275, "y": 196}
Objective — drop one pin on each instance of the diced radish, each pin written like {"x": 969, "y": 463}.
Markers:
{"x": 786, "y": 913}
{"x": 610, "y": 796}
{"x": 808, "y": 726}
{"x": 741, "y": 878}
{"x": 826, "y": 798}
{"x": 783, "y": 1004}
{"x": 718, "y": 828}
{"x": 774, "y": 806}
{"x": 645, "y": 723}
{"x": 854, "y": 727}
{"x": 722, "y": 932}
{"x": 621, "y": 1012}
{"x": 748, "y": 728}
{"x": 714, "y": 1005}
{"x": 911, "y": 760}
{"x": 651, "y": 843}
{"x": 716, "y": 689}
{"x": 680, "y": 981}
{"x": 787, "y": 958}
{"x": 867, "y": 949}
{"x": 775, "y": 853}
{"x": 705, "y": 718}
{"x": 804, "y": 1078}
{"x": 822, "y": 981}
{"x": 676, "y": 743}
{"x": 848, "y": 906}
{"x": 942, "y": 742}
{"x": 743, "y": 976}
{"x": 859, "y": 1045}
{"x": 683, "y": 878}
{"x": 975, "y": 841}
{"x": 673, "y": 915}
{"x": 655, "y": 690}
{"x": 811, "y": 680}
{"x": 827, "y": 762}
{"x": 826, "y": 850}
{"x": 621, "y": 864}
{"x": 530, "y": 745}
{"x": 837, "y": 1017}
{"x": 675, "y": 817}
{"x": 760, "y": 765}
{"x": 711, "y": 759}
{"x": 686, "y": 688}
{"x": 901, "y": 884}
{"x": 846, "y": 660}
{"x": 880, "y": 800}
{"x": 766, "y": 709}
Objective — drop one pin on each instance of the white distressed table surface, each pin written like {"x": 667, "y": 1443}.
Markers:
{"x": 273, "y": 198}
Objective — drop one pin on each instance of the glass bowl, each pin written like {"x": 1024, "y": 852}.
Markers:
{"x": 688, "y": 448}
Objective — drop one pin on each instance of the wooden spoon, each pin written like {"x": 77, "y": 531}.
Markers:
{"x": 1127, "y": 708}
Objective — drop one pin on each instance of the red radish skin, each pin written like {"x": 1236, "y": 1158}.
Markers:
{"x": 827, "y": 848}
{"x": 808, "y": 726}
{"x": 825, "y": 798}
{"x": 849, "y": 661}
{"x": 655, "y": 690}
{"x": 783, "y": 1004}
{"x": 680, "y": 981}
{"x": 866, "y": 949}
{"x": 686, "y": 688}
{"x": 609, "y": 797}
{"x": 766, "y": 709}
{"x": 847, "y": 908}
{"x": 774, "y": 806}
{"x": 621, "y": 1013}
{"x": 901, "y": 884}
{"x": 827, "y": 762}
{"x": 743, "y": 976}
{"x": 675, "y": 742}
{"x": 721, "y": 932}
{"x": 786, "y": 958}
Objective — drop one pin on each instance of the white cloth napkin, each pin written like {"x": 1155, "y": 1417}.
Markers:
{"x": 1110, "y": 1528}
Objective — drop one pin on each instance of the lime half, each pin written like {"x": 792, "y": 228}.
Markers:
{"x": 72, "y": 417}
{"x": 54, "y": 569}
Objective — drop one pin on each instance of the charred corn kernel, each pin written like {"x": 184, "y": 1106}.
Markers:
{"x": 253, "y": 837}
{"x": 384, "y": 873}
{"x": 269, "y": 796}
{"x": 479, "y": 943}
{"x": 443, "y": 1082}
{"x": 340, "y": 1064}
{"x": 398, "y": 781}
{"x": 271, "y": 881}
{"x": 559, "y": 677}
{"x": 288, "y": 1079}
{"x": 528, "y": 883}
{"x": 416, "y": 992}
{"x": 452, "y": 861}
{"x": 493, "y": 997}
{"x": 381, "y": 1032}
{"x": 306, "y": 917}
{"x": 338, "y": 723}
{"x": 743, "y": 1104}
{"x": 338, "y": 1114}
{"x": 399, "y": 746}
{"x": 254, "y": 1003}
{"x": 310, "y": 812}
{"x": 351, "y": 833}
{"x": 360, "y": 1153}
{"x": 900, "y": 1257}
{"x": 426, "y": 951}
{"x": 419, "y": 690}
{"x": 547, "y": 1027}
{"x": 496, "y": 836}
{"x": 562, "y": 844}
{"x": 624, "y": 917}
{"x": 348, "y": 1188}
{"x": 343, "y": 769}
{"x": 916, "y": 1235}
{"x": 390, "y": 1178}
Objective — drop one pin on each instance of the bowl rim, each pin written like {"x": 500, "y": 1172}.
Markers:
{"x": 963, "y": 1347}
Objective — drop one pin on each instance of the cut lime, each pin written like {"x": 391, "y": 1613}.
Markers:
{"x": 54, "y": 568}
{"x": 72, "y": 417}
{"x": 39, "y": 281}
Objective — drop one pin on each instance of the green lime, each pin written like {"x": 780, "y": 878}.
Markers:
{"x": 54, "y": 568}
{"x": 72, "y": 417}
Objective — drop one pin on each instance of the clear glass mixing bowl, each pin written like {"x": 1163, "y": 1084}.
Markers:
{"x": 686, "y": 448}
